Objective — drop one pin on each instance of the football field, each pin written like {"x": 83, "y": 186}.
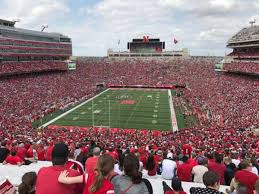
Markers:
{"x": 123, "y": 108}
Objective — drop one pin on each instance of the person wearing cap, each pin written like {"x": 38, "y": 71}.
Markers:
{"x": 169, "y": 167}
{"x": 47, "y": 180}
{"x": 92, "y": 161}
{"x": 199, "y": 170}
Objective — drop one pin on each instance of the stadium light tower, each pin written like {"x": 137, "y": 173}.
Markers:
{"x": 252, "y": 22}
{"x": 43, "y": 27}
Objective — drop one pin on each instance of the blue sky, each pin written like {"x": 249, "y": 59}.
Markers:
{"x": 202, "y": 26}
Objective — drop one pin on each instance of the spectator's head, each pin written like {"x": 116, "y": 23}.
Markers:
{"x": 241, "y": 189}
{"x": 96, "y": 151}
{"x": 28, "y": 183}
{"x": 227, "y": 160}
{"x": 211, "y": 179}
{"x": 200, "y": 160}
{"x": 131, "y": 168}
{"x": 185, "y": 159}
{"x": 218, "y": 158}
{"x": 104, "y": 166}
{"x": 3, "y": 143}
{"x": 60, "y": 154}
{"x": 244, "y": 164}
{"x": 256, "y": 187}
{"x": 254, "y": 161}
{"x": 176, "y": 184}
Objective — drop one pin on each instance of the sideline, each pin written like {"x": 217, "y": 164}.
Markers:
{"x": 76, "y": 107}
{"x": 173, "y": 115}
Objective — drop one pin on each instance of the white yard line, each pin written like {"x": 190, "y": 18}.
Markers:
{"x": 173, "y": 115}
{"x": 69, "y": 111}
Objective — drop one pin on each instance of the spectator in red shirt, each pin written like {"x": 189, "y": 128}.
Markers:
{"x": 41, "y": 152}
{"x": 184, "y": 171}
{"x": 257, "y": 187}
{"x": 49, "y": 151}
{"x": 218, "y": 167}
{"x": 21, "y": 152}
{"x": 92, "y": 161}
{"x": 13, "y": 159}
{"x": 47, "y": 180}
{"x": 97, "y": 182}
{"x": 245, "y": 176}
{"x": 187, "y": 150}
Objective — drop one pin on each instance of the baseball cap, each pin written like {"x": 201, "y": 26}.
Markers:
{"x": 60, "y": 150}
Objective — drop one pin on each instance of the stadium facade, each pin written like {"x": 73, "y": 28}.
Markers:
{"x": 245, "y": 55}
{"x": 21, "y": 45}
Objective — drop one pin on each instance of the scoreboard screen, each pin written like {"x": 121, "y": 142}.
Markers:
{"x": 146, "y": 45}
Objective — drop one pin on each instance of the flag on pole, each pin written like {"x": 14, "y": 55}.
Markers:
{"x": 175, "y": 41}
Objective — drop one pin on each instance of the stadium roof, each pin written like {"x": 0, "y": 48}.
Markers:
{"x": 245, "y": 35}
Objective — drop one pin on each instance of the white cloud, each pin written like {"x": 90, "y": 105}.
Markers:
{"x": 198, "y": 25}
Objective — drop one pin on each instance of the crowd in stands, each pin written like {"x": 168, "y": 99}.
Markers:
{"x": 246, "y": 67}
{"x": 121, "y": 163}
{"x": 226, "y": 106}
{"x": 9, "y": 68}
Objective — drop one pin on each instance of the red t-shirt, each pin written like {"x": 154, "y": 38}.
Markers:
{"x": 21, "y": 152}
{"x": 219, "y": 169}
{"x": 73, "y": 164}
{"x": 14, "y": 160}
{"x": 246, "y": 178}
{"x": 49, "y": 152}
{"x": 184, "y": 172}
{"x": 187, "y": 149}
{"x": 106, "y": 188}
{"x": 47, "y": 181}
{"x": 90, "y": 164}
{"x": 41, "y": 154}
{"x": 30, "y": 152}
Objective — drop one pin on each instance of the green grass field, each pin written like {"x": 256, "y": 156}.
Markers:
{"x": 149, "y": 110}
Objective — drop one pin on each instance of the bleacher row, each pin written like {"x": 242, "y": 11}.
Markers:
{"x": 40, "y": 44}
{"x": 243, "y": 67}
{"x": 10, "y": 68}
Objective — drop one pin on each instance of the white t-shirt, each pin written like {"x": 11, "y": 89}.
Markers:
{"x": 198, "y": 172}
{"x": 168, "y": 169}
{"x": 236, "y": 162}
{"x": 254, "y": 170}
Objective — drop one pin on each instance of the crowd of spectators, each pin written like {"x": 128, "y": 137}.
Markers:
{"x": 246, "y": 67}
{"x": 10, "y": 68}
{"x": 226, "y": 106}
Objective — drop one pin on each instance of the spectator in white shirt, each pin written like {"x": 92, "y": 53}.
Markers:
{"x": 199, "y": 170}
{"x": 168, "y": 167}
